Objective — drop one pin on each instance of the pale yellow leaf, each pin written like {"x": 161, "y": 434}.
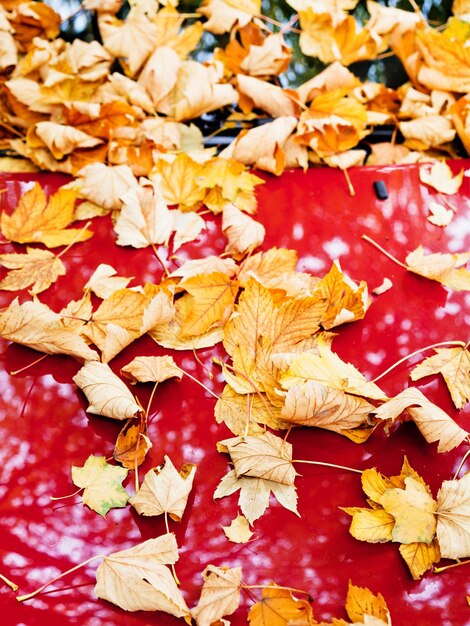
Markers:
{"x": 222, "y": 15}
{"x": 454, "y": 365}
{"x": 445, "y": 268}
{"x": 427, "y": 132}
{"x": 104, "y": 185}
{"x": 137, "y": 579}
{"x": 267, "y": 456}
{"x": 104, "y": 283}
{"x": 270, "y": 98}
{"x": 439, "y": 176}
{"x": 106, "y": 393}
{"x": 164, "y": 490}
{"x": 220, "y": 594}
{"x": 439, "y": 215}
{"x": 187, "y": 227}
{"x": 144, "y": 219}
{"x": 244, "y": 234}
{"x": 101, "y": 483}
{"x": 144, "y": 369}
{"x": 371, "y": 525}
{"x": 34, "y": 325}
{"x": 453, "y": 518}
{"x": 36, "y": 268}
{"x": 434, "y": 423}
{"x": 239, "y": 530}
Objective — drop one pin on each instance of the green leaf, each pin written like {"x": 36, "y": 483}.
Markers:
{"x": 101, "y": 483}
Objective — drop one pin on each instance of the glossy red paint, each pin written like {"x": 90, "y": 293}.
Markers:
{"x": 44, "y": 427}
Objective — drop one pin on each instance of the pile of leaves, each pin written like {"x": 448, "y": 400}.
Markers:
{"x": 132, "y": 96}
{"x": 128, "y": 139}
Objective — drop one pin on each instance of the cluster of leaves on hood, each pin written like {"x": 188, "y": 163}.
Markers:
{"x": 65, "y": 105}
{"x": 128, "y": 139}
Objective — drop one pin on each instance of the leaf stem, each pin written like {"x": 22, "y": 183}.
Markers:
{"x": 74, "y": 240}
{"x": 408, "y": 356}
{"x": 274, "y": 22}
{"x": 293, "y": 589}
{"x": 53, "y": 580}
{"x": 248, "y": 379}
{"x": 22, "y": 369}
{"x": 70, "y": 495}
{"x": 438, "y": 570}
{"x": 352, "y": 191}
{"x": 383, "y": 251}
{"x": 8, "y": 582}
{"x": 160, "y": 260}
{"x": 461, "y": 464}
{"x": 199, "y": 383}
{"x": 343, "y": 467}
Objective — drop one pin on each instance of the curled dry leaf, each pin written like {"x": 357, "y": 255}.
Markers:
{"x": 239, "y": 530}
{"x": 262, "y": 146}
{"x": 164, "y": 490}
{"x": 145, "y": 218}
{"x": 107, "y": 394}
{"x": 266, "y": 456}
{"x": 244, "y": 234}
{"x": 105, "y": 184}
{"x": 454, "y": 365}
{"x": 432, "y": 421}
{"x": 36, "y": 268}
{"x": 34, "y": 325}
{"x": 382, "y": 288}
{"x": 220, "y": 594}
{"x": 144, "y": 369}
{"x": 274, "y": 100}
{"x": 104, "y": 283}
{"x": 138, "y": 579}
{"x": 132, "y": 443}
{"x": 36, "y": 219}
{"x": 101, "y": 483}
{"x": 445, "y": 268}
{"x": 223, "y": 15}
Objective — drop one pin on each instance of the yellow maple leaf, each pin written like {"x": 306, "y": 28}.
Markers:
{"x": 244, "y": 234}
{"x": 434, "y": 423}
{"x": 346, "y": 300}
{"x": 37, "y": 220}
{"x": 454, "y": 365}
{"x": 332, "y": 37}
{"x": 39, "y": 268}
{"x": 361, "y": 603}
{"x": 212, "y": 299}
{"x": 279, "y": 607}
{"x": 420, "y": 557}
{"x": 178, "y": 179}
